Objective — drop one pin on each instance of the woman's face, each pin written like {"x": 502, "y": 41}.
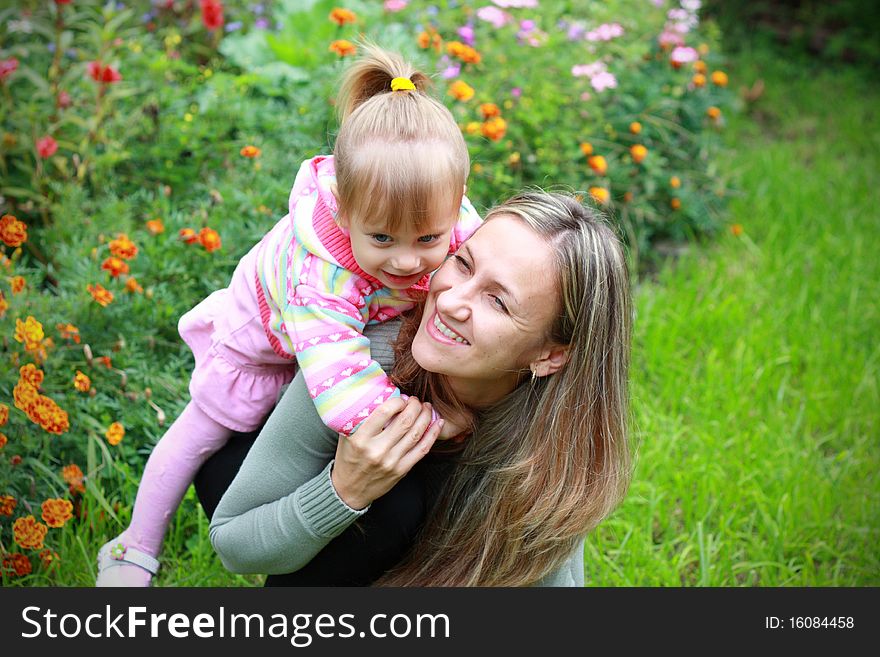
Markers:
{"x": 489, "y": 310}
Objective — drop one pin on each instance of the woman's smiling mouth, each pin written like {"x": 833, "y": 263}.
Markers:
{"x": 447, "y": 332}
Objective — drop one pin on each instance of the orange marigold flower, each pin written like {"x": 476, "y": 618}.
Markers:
{"x": 116, "y": 266}
{"x": 598, "y": 164}
{"x": 713, "y": 113}
{"x": 31, "y": 374}
{"x": 100, "y": 294}
{"x": 699, "y": 80}
{"x": 56, "y": 511}
{"x": 210, "y": 239}
{"x": 17, "y": 284}
{"x": 122, "y": 247}
{"x": 586, "y": 148}
{"x": 3, "y": 440}
{"x": 494, "y": 128}
{"x": 488, "y": 110}
{"x": 188, "y": 235}
{"x": 628, "y": 197}
{"x": 29, "y": 533}
{"x": 115, "y": 433}
{"x": 51, "y": 417}
{"x": 68, "y": 332}
{"x": 105, "y": 361}
{"x": 343, "y": 47}
{"x": 4, "y": 305}
{"x": 49, "y": 558}
{"x": 472, "y": 127}
{"x": 736, "y": 230}
{"x": 461, "y": 90}
{"x": 24, "y": 395}
{"x": 719, "y": 78}
{"x": 82, "y": 382}
{"x": 250, "y": 151}
{"x": 7, "y": 505}
{"x": 155, "y": 226}
{"x": 12, "y": 231}
{"x": 72, "y": 474}
{"x": 465, "y": 53}
{"x": 638, "y": 152}
{"x": 30, "y": 332}
{"x": 600, "y": 195}
{"x": 16, "y": 564}
{"x": 675, "y": 182}
{"x": 131, "y": 285}
{"x": 700, "y": 67}
{"x": 424, "y": 39}
{"x": 342, "y": 16}
{"x": 675, "y": 203}
{"x": 635, "y": 127}
{"x": 4, "y": 414}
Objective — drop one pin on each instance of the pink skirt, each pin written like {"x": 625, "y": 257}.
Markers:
{"x": 237, "y": 376}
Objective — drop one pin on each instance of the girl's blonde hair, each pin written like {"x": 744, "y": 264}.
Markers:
{"x": 400, "y": 156}
{"x": 551, "y": 460}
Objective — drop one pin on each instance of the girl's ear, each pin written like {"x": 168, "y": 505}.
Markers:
{"x": 551, "y": 360}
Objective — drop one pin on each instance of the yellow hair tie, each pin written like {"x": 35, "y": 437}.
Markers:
{"x": 402, "y": 84}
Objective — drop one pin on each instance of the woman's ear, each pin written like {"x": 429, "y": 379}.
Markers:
{"x": 551, "y": 360}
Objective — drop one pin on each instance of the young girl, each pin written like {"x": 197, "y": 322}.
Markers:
{"x": 366, "y": 227}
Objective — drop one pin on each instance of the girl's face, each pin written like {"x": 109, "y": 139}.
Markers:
{"x": 489, "y": 310}
{"x": 402, "y": 257}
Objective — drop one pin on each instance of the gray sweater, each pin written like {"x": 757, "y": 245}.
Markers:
{"x": 282, "y": 509}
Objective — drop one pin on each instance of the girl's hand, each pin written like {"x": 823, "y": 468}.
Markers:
{"x": 372, "y": 460}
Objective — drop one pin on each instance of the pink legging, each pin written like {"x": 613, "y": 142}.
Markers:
{"x": 171, "y": 468}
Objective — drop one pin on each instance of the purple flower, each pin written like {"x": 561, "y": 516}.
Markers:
{"x": 261, "y": 24}
{"x": 258, "y": 9}
{"x": 466, "y": 33}
{"x": 516, "y": 92}
{"x": 232, "y": 27}
{"x": 576, "y": 31}
{"x": 452, "y": 70}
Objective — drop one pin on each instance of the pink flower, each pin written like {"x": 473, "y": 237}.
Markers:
{"x": 7, "y": 67}
{"x": 395, "y": 5}
{"x": 494, "y": 15}
{"x": 684, "y": 55}
{"x": 466, "y": 34}
{"x": 667, "y": 39}
{"x": 64, "y": 100}
{"x": 603, "y": 80}
{"x": 605, "y": 32}
{"x": 46, "y": 147}
{"x": 588, "y": 70}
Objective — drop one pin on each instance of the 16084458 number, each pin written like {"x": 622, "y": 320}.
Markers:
{"x": 820, "y": 622}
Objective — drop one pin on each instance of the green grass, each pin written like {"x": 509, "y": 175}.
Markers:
{"x": 755, "y": 363}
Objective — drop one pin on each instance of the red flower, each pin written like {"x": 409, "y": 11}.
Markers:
{"x": 64, "y": 100}
{"x": 7, "y": 67}
{"x": 212, "y": 14}
{"x": 46, "y": 147}
{"x": 105, "y": 74}
{"x": 63, "y": 2}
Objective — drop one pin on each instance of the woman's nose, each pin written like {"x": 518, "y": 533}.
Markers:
{"x": 454, "y": 302}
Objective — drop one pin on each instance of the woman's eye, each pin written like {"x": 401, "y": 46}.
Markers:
{"x": 381, "y": 239}
{"x": 498, "y": 303}
{"x": 427, "y": 239}
{"x": 462, "y": 263}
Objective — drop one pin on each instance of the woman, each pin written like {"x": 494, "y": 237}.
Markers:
{"x": 527, "y": 328}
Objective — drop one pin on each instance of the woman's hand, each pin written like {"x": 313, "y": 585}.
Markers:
{"x": 373, "y": 459}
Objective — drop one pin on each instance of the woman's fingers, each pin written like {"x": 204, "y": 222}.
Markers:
{"x": 422, "y": 446}
{"x": 382, "y": 415}
{"x": 405, "y": 438}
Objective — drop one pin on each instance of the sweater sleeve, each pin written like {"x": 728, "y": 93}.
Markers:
{"x": 281, "y": 509}
{"x": 570, "y": 573}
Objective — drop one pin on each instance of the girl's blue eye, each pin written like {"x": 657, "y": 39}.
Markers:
{"x": 381, "y": 239}
{"x": 427, "y": 239}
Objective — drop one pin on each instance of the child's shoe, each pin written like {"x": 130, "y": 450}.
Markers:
{"x": 120, "y": 565}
